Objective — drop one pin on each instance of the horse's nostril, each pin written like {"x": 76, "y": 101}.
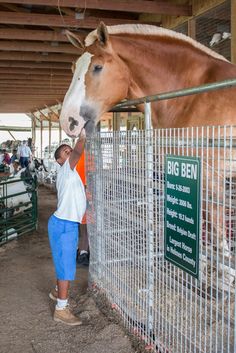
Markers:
{"x": 73, "y": 123}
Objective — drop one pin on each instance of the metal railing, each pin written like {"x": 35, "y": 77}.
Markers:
{"x": 18, "y": 207}
{"x": 162, "y": 304}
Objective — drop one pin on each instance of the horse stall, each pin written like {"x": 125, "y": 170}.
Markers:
{"x": 162, "y": 226}
{"x": 18, "y": 207}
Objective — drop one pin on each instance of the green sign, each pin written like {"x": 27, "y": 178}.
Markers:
{"x": 182, "y": 212}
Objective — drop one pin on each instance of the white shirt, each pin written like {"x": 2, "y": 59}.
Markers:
{"x": 25, "y": 151}
{"x": 71, "y": 203}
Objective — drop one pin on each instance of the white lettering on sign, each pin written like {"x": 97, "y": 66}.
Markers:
{"x": 175, "y": 252}
{"x": 186, "y": 248}
{"x": 190, "y": 261}
{"x": 171, "y": 226}
{"x": 171, "y": 213}
{"x": 175, "y": 242}
{"x": 189, "y": 171}
{"x": 173, "y": 168}
{"x": 172, "y": 199}
{"x": 170, "y": 185}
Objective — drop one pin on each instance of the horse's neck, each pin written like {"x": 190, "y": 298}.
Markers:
{"x": 155, "y": 67}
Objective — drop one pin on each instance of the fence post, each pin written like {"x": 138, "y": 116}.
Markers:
{"x": 149, "y": 221}
{"x": 99, "y": 203}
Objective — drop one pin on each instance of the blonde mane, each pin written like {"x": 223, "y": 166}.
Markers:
{"x": 155, "y": 31}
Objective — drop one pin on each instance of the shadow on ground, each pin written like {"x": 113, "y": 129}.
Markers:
{"x": 26, "y": 277}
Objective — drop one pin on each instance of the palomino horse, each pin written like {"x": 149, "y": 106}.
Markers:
{"x": 132, "y": 61}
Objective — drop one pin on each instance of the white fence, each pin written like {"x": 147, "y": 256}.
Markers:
{"x": 162, "y": 304}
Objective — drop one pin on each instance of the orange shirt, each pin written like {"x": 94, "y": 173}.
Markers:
{"x": 80, "y": 168}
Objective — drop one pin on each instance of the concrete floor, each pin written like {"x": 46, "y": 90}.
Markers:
{"x": 26, "y": 277}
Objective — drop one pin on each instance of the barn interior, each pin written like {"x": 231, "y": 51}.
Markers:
{"x": 36, "y": 57}
{"x": 35, "y": 73}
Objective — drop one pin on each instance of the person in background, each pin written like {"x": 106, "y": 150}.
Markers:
{"x": 6, "y": 158}
{"x": 1, "y": 156}
{"x": 63, "y": 227}
{"x": 25, "y": 154}
{"x": 14, "y": 155}
{"x": 83, "y": 250}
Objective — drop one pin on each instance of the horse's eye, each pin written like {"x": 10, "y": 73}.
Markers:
{"x": 97, "y": 68}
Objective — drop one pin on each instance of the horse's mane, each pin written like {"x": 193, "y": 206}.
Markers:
{"x": 155, "y": 31}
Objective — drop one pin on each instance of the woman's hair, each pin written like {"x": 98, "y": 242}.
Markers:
{"x": 58, "y": 151}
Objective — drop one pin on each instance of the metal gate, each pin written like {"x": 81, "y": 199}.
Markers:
{"x": 161, "y": 303}
{"x": 18, "y": 207}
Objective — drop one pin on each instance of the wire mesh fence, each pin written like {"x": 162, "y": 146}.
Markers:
{"x": 168, "y": 308}
{"x": 18, "y": 207}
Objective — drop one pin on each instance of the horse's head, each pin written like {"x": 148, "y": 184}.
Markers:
{"x": 92, "y": 91}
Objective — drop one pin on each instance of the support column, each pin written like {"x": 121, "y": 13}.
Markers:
{"x": 115, "y": 121}
{"x": 41, "y": 139}
{"x": 50, "y": 137}
{"x": 233, "y": 31}
{"x": 192, "y": 28}
{"x": 60, "y": 134}
{"x": 33, "y": 134}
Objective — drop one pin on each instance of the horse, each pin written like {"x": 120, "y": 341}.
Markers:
{"x": 133, "y": 61}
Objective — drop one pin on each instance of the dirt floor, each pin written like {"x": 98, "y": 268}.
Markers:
{"x": 26, "y": 277}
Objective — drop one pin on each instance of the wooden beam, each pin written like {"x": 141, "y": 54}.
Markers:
{"x": 32, "y": 65}
{"x": 33, "y": 19}
{"x": 38, "y": 47}
{"x": 37, "y": 71}
{"x": 36, "y": 84}
{"x": 138, "y": 6}
{"x": 32, "y": 77}
{"x": 37, "y": 35}
{"x": 28, "y": 93}
{"x": 15, "y": 8}
{"x": 14, "y": 128}
{"x": 38, "y": 57}
{"x": 233, "y": 31}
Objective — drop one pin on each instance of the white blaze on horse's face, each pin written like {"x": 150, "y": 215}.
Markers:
{"x": 72, "y": 119}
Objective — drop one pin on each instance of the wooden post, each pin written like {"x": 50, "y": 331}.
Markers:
{"x": 33, "y": 134}
{"x": 115, "y": 121}
{"x": 50, "y": 137}
{"x": 41, "y": 139}
{"x": 192, "y": 28}
{"x": 233, "y": 31}
{"x": 60, "y": 134}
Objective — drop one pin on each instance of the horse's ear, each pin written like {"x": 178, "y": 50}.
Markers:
{"x": 102, "y": 34}
{"x": 74, "y": 39}
{"x": 73, "y": 67}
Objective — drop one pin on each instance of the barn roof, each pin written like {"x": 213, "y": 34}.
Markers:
{"x": 35, "y": 55}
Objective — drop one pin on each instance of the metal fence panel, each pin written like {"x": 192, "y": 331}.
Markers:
{"x": 18, "y": 207}
{"x": 162, "y": 304}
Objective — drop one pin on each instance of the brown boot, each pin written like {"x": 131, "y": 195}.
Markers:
{"x": 53, "y": 294}
{"x": 65, "y": 315}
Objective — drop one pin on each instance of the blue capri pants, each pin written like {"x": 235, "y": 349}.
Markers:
{"x": 63, "y": 238}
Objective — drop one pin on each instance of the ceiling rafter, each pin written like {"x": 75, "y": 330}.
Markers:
{"x": 50, "y": 72}
{"x": 30, "y": 65}
{"x": 38, "y": 47}
{"x": 33, "y": 34}
{"x": 35, "y": 76}
{"x": 33, "y": 19}
{"x": 37, "y": 57}
{"x": 138, "y": 6}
